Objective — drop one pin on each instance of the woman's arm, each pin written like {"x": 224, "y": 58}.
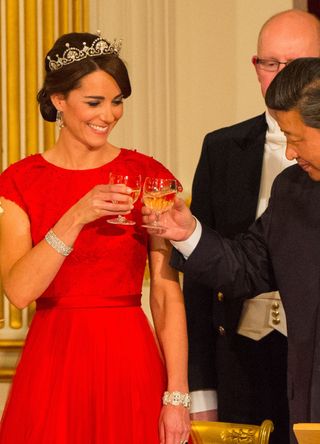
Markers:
{"x": 26, "y": 270}
{"x": 167, "y": 307}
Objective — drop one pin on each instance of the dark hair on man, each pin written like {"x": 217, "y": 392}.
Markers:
{"x": 69, "y": 76}
{"x": 298, "y": 87}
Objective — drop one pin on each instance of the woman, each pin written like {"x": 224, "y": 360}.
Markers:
{"x": 91, "y": 370}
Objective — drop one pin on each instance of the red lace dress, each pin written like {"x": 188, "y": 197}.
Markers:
{"x": 90, "y": 371}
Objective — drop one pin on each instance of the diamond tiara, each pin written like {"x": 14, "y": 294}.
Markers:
{"x": 99, "y": 47}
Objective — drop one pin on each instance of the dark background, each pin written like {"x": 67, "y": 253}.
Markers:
{"x": 314, "y": 7}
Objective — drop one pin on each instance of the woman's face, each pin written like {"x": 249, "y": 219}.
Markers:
{"x": 91, "y": 111}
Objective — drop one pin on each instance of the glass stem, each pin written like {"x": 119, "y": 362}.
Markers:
{"x": 157, "y": 218}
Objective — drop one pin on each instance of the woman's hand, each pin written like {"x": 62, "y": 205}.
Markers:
{"x": 174, "y": 425}
{"x": 102, "y": 200}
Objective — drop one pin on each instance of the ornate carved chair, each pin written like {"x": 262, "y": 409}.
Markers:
{"x": 207, "y": 432}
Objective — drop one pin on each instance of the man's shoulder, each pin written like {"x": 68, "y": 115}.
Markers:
{"x": 254, "y": 125}
{"x": 247, "y": 136}
{"x": 292, "y": 171}
{"x": 295, "y": 175}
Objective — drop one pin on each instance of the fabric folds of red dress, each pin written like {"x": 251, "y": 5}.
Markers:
{"x": 111, "y": 353}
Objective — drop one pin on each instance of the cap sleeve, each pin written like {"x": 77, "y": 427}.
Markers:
{"x": 9, "y": 189}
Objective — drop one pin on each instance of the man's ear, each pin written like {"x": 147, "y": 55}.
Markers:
{"x": 58, "y": 101}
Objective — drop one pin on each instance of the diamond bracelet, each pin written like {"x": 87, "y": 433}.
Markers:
{"x": 176, "y": 398}
{"x": 57, "y": 244}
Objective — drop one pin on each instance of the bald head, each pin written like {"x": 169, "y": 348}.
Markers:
{"x": 286, "y": 36}
{"x": 292, "y": 26}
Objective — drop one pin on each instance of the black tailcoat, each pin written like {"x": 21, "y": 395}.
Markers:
{"x": 225, "y": 197}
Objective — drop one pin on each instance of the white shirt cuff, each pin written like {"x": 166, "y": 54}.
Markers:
{"x": 187, "y": 246}
{"x": 203, "y": 400}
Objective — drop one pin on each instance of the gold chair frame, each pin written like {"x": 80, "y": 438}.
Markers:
{"x": 307, "y": 433}
{"x": 209, "y": 432}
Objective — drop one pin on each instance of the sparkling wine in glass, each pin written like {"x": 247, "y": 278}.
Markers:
{"x": 158, "y": 195}
{"x": 134, "y": 182}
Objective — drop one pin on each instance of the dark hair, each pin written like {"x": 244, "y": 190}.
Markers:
{"x": 298, "y": 87}
{"x": 69, "y": 76}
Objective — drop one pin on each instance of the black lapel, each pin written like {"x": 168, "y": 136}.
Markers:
{"x": 244, "y": 174}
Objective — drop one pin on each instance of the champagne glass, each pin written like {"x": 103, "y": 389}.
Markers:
{"x": 158, "y": 195}
{"x": 134, "y": 182}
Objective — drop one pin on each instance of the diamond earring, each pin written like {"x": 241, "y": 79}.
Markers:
{"x": 59, "y": 119}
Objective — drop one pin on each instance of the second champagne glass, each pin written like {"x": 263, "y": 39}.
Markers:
{"x": 158, "y": 195}
{"x": 134, "y": 182}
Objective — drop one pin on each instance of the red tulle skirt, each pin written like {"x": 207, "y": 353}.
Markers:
{"x": 86, "y": 376}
